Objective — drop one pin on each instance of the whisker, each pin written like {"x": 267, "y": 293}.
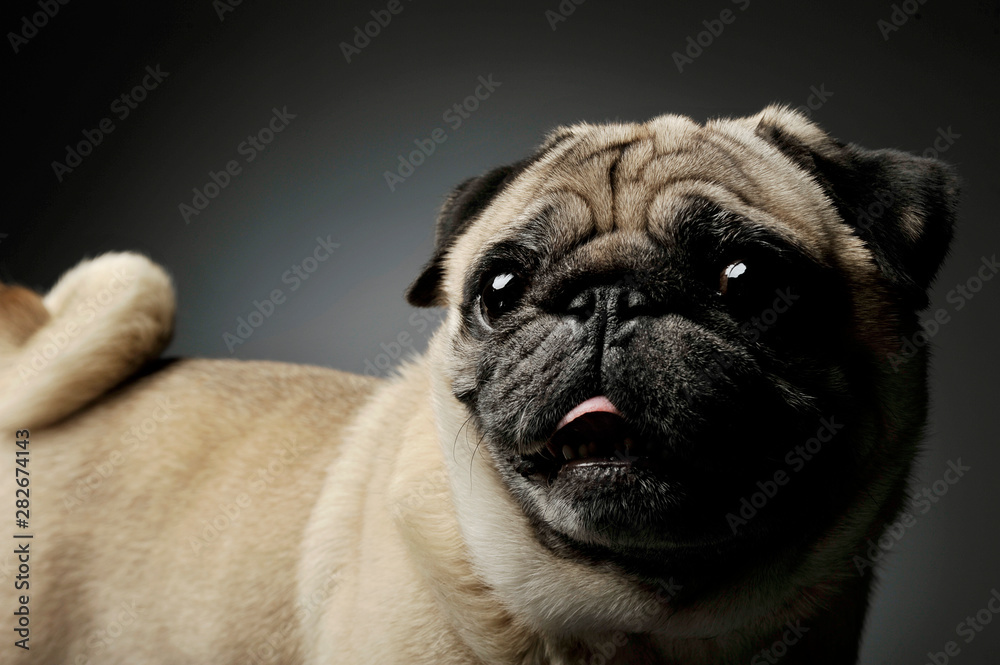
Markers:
{"x": 472, "y": 459}
{"x": 458, "y": 434}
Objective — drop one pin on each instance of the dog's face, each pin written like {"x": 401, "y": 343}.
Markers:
{"x": 649, "y": 322}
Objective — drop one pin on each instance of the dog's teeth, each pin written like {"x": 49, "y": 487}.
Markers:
{"x": 567, "y": 452}
{"x": 582, "y": 450}
{"x": 591, "y": 449}
{"x": 628, "y": 443}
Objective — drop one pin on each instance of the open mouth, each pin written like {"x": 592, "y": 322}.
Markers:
{"x": 592, "y": 434}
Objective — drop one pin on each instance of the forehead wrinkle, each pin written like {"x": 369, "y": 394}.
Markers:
{"x": 590, "y": 181}
{"x": 672, "y": 203}
{"x": 563, "y": 220}
{"x": 588, "y": 165}
{"x": 595, "y": 138}
{"x": 714, "y": 185}
{"x": 632, "y": 201}
{"x": 706, "y": 161}
{"x": 557, "y": 153}
{"x": 634, "y": 158}
{"x": 671, "y": 131}
{"x": 790, "y": 193}
{"x": 670, "y": 206}
{"x": 631, "y": 194}
{"x": 698, "y": 159}
{"x": 614, "y": 148}
{"x": 639, "y": 166}
{"x": 734, "y": 168}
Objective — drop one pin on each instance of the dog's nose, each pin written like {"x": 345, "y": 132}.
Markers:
{"x": 614, "y": 302}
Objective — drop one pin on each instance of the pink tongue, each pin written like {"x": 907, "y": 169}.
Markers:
{"x": 599, "y": 403}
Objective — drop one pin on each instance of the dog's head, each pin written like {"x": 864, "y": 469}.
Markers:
{"x": 677, "y": 346}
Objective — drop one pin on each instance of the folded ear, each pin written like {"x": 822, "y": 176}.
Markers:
{"x": 902, "y": 206}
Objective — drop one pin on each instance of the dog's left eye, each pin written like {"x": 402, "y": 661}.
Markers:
{"x": 501, "y": 294}
{"x": 732, "y": 280}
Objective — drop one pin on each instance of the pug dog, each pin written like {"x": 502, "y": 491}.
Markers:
{"x": 664, "y": 418}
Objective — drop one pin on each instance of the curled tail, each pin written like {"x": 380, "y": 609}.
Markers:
{"x": 101, "y": 322}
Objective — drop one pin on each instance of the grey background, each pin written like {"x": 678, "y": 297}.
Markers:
{"x": 323, "y": 176}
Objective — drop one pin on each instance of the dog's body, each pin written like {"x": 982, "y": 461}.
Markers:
{"x": 214, "y": 511}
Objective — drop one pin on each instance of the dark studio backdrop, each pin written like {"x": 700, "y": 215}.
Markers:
{"x": 276, "y": 138}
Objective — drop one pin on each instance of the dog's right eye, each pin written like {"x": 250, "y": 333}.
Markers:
{"x": 731, "y": 282}
{"x": 501, "y": 294}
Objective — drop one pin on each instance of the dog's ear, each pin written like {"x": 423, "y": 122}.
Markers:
{"x": 461, "y": 207}
{"x": 902, "y": 206}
